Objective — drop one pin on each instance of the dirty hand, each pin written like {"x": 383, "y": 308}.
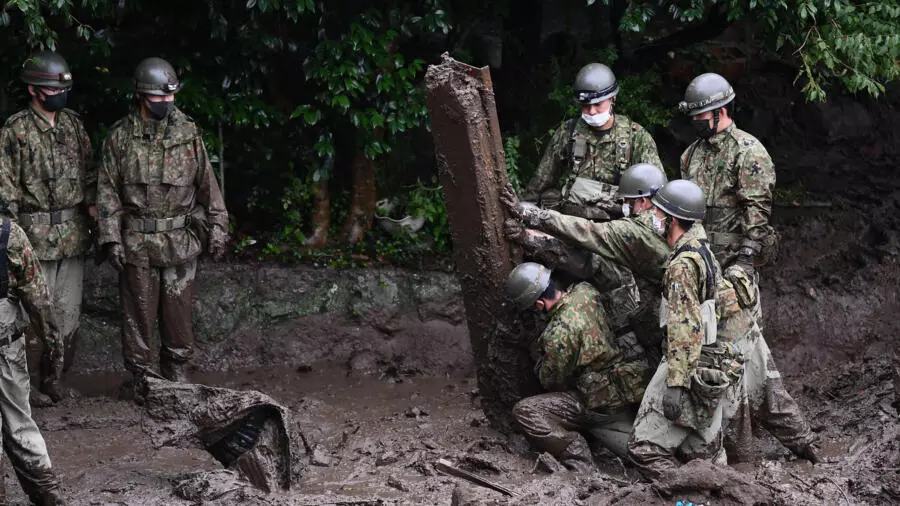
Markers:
{"x": 745, "y": 263}
{"x": 514, "y": 230}
{"x": 510, "y": 200}
{"x": 672, "y": 402}
{"x": 218, "y": 242}
{"x": 115, "y": 254}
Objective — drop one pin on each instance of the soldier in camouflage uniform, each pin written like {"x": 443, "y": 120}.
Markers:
{"x": 737, "y": 176}
{"x": 22, "y": 285}
{"x": 159, "y": 206}
{"x": 48, "y": 178}
{"x": 633, "y": 243}
{"x": 593, "y": 386}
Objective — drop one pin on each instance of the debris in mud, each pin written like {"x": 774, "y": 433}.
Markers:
{"x": 548, "y": 463}
{"x": 245, "y": 431}
{"x": 416, "y": 412}
{"x": 387, "y": 458}
{"x": 445, "y": 466}
{"x": 320, "y": 457}
{"x": 395, "y": 482}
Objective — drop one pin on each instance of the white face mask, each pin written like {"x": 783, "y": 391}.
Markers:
{"x": 626, "y": 210}
{"x": 596, "y": 120}
{"x": 659, "y": 225}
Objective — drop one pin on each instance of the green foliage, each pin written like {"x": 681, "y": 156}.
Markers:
{"x": 638, "y": 99}
{"x": 512, "y": 154}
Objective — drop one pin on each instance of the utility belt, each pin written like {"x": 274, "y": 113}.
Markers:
{"x": 48, "y": 218}
{"x": 156, "y": 225}
{"x": 725, "y": 240}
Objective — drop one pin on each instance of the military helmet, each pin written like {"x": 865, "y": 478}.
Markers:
{"x": 47, "y": 68}
{"x": 155, "y": 76}
{"x": 641, "y": 180}
{"x": 682, "y": 199}
{"x": 705, "y": 93}
{"x": 526, "y": 283}
{"x": 595, "y": 83}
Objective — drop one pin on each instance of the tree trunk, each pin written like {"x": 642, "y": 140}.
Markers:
{"x": 362, "y": 203}
{"x": 472, "y": 168}
{"x": 321, "y": 218}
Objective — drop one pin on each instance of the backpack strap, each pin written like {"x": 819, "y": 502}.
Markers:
{"x": 704, "y": 253}
{"x": 4, "y": 259}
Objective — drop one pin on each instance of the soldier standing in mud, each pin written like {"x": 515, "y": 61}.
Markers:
{"x": 48, "y": 178}
{"x": 737, "y": 176}
{"x": 593, "y": 386}
{"x": 634, "y": 243}
{"x": 159, "y": 206}
{"x": 22, "y": 285}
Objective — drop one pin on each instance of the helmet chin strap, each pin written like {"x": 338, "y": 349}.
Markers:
{"x": 715, "y": 127}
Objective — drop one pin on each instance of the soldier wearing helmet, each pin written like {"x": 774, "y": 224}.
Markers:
{"x": 159, "y": 207}
{"x": 586, "y": 157}
{"x": 737, "y": 176}
{"x": 48, "y": 179}
{"x": 592, "y": 385}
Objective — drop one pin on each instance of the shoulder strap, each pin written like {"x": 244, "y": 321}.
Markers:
{"x": 4, "y": 259}
{"x": 704, "y": 252}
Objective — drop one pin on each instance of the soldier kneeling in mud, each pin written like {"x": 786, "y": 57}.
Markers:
{"x": 593, "y": 386}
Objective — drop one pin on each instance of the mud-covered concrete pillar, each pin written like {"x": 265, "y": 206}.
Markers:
{"x": 472, "y": 169}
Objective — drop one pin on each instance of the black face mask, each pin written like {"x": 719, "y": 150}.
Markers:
{"x": 701, "y": 126}
{"x": 53, "y": 103}
{"x": 159, "y": 110}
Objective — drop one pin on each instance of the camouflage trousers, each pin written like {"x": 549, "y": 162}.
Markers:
{"x": 658, "y": 444}
{"x": 151, "y": 292}
{"x": 763, "y": 399}
{"x": 64, "y": 282}
{"x": 558, "y": 423}
{"x": 22, "y": 440}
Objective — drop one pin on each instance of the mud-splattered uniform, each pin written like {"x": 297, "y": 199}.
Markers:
{"x": 158, "y": 197}
{"x": 49, "y": 181}
{"x": 587, "y": 377}
{"x": 22, "y": 440}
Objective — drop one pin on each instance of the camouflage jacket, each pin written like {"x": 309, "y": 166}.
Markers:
{"x": 738, "y": 177}
{"x": 157, "y": 170}
{"x": 630, "y": 242}
{"x": 577, "y": 353}
{"x": 45, "y": 168}
{"x": 28, "y": 287}
{"x": 608, "y": 155}
{"x": 684, "y": 287}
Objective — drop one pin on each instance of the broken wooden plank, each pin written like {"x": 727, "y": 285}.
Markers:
{"x": 447, "y": 467}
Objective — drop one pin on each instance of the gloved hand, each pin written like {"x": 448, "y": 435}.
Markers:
{"x": 510, "y": 200}
{"x": 218, "y": 244}
{"x": 53, "y": 368}
{"x": 672, "y": 402}
{"x": 514, "y": 230}
{"x": 115, "y": 254}
{"x": 745, "y": 263}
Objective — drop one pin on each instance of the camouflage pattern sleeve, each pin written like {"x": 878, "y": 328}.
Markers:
{"x": 109, "y": 204}
{"x": 560, "y": 356}
{"x": 29, "y": 284}
{"x": 756, "y": 182}
{"x": 644, "y": 149}
{"x": 9, "y": 168}
{"x": 208, "y": 193}
{"x": 89, "y": 179}
{"x": 551, "y": 165}
{"x": 683, "y": 326}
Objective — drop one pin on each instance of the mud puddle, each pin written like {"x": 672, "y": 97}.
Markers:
{"x": 376, "y": 432}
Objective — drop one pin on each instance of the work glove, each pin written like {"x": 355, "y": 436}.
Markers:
{"x": 514, "y": 230}
{"x": 115, "y": 254}
{"x": 53, "y": 368}
{"x": 523, "y": 211}
{"x": 745, "y": 263}
{"x": 672, "y": 402}
{"x": 218, "y": 243}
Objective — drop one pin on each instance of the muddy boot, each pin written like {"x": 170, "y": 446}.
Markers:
{"x": 134, "y": 389}
{"x": 809, "y": 452}
{"x": 174, "y": 371}
{"x": 577, "y": 457}
{"x": 41, "y": 486}
{"x": 38, "y": 399}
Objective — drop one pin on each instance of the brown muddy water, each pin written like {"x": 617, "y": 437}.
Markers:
{"x": 377, "y": 435}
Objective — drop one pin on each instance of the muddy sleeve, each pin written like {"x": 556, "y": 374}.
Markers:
{"x": 550, "y": 167}
{"x": 644, "y": 149}
{"x": 30, "y": 286}
{"x": 89, "y": 178}
{"x": 559, "y": 356}
{"x": 9, "y": 168}
{"x": 604, "y": 239}
{"x": 683, "y": 326}
{"x": 756, "y": 182}
{"x": 109, "y": 204}
{"x": 208, "y": 193}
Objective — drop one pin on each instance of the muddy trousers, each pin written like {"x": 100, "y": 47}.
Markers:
{"x": 151, "y": 292}
{"x": 64, "y": 281}
{"x": 557, "y": 423}
{"x": 658, "y": 444}
{"x": 763, "y": 399}
{"x": 22, "y": 441}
